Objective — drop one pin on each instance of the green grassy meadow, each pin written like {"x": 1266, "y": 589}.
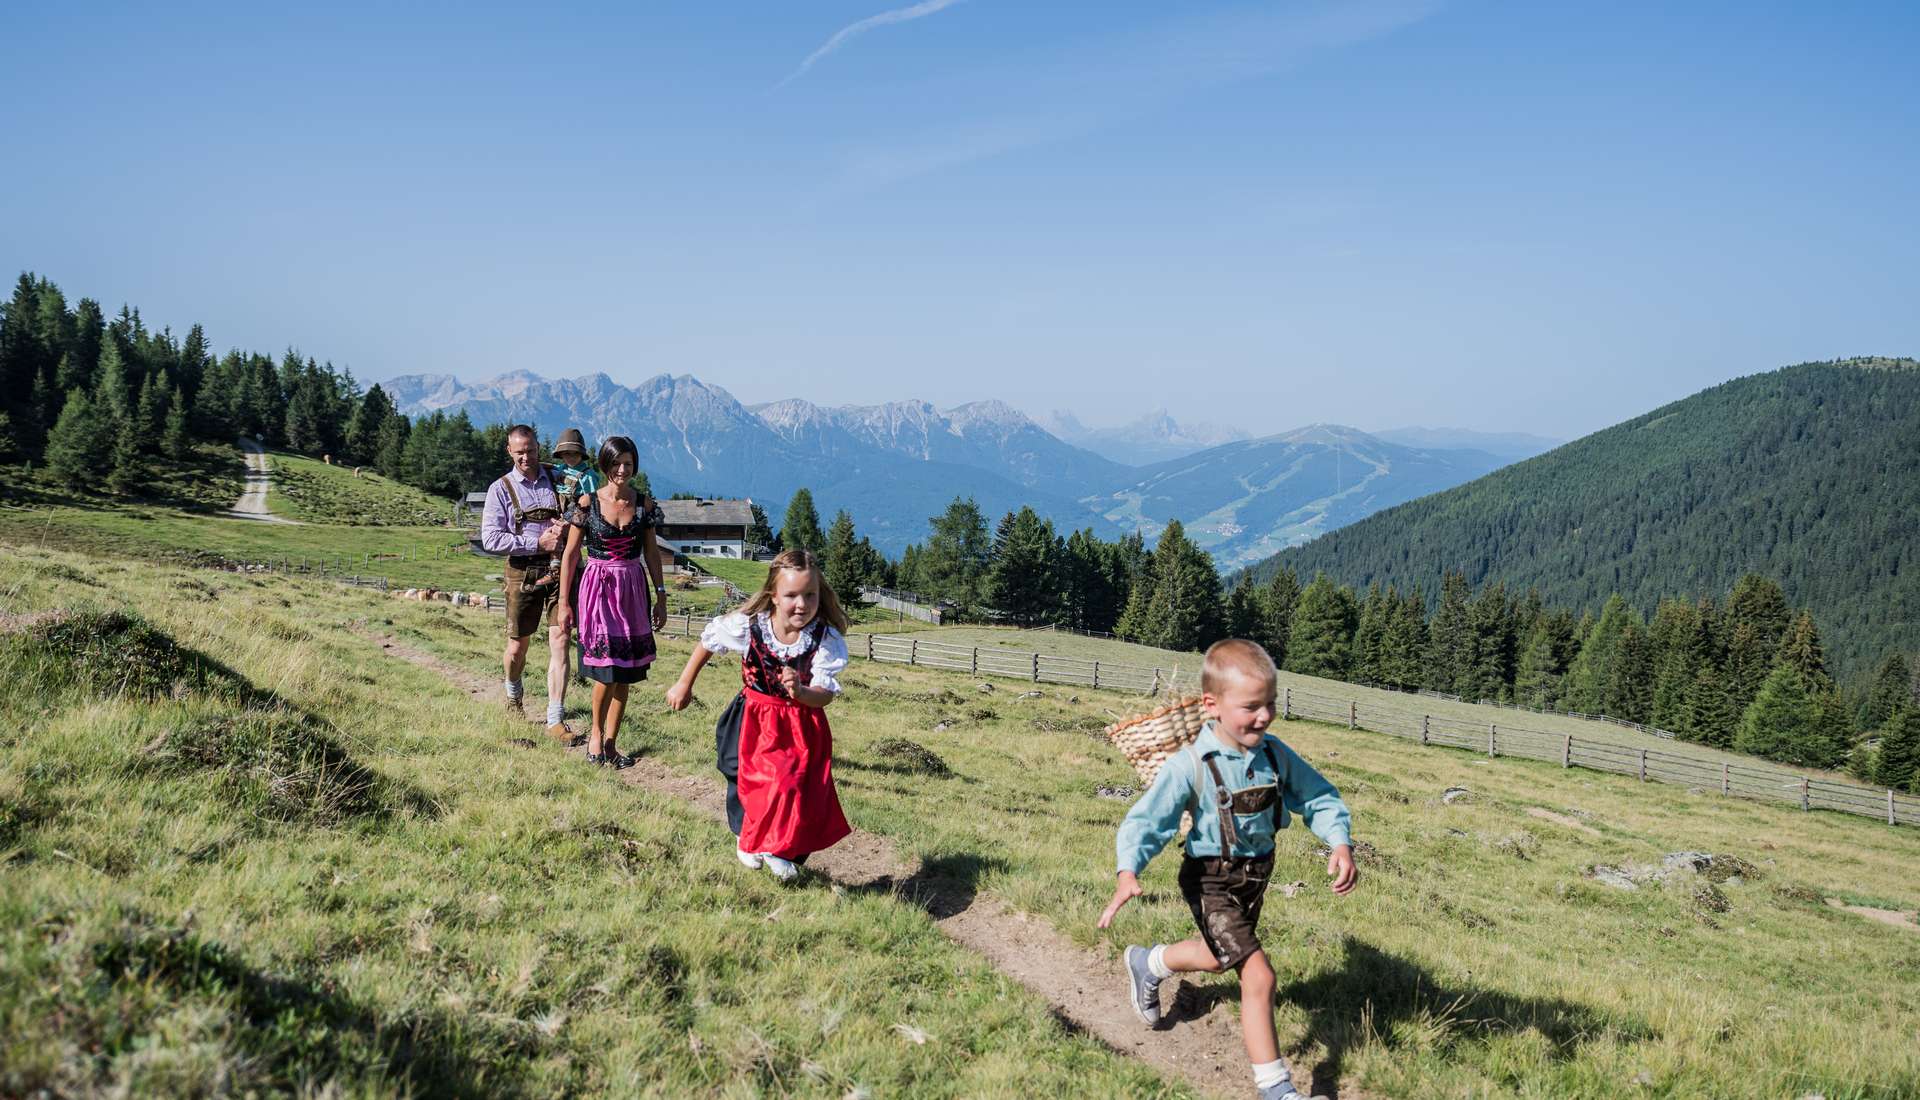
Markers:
{"x": 311, "y": 491}
{"x": 313, "y": 864}
{"x": 747, "y": 575}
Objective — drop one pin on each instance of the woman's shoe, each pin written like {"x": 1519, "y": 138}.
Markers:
{"x": 783, "y": 869}
{"x": 616, "y": 759}
{"x": 596, "y": 759}
{"x": 747, "y": 859}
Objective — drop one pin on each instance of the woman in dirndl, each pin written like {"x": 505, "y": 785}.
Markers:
{"x": 616, "y": 618}
{"x": 773, "y": 742}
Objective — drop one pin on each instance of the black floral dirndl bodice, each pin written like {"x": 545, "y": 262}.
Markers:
{"x": 605, "y": 541}
{"x": 760, "y": 668}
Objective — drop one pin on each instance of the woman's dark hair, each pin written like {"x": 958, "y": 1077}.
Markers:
{"x": 612, "y": 449}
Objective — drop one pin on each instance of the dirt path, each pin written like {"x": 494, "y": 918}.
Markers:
{"x": 253, "y": 501}
{"x": 1088, "y": 992}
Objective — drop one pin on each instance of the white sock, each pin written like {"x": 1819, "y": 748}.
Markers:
{"x": 555, "y": 712}
{"x": 514, "y": 690}
{"x": 1269, "y": 1074}
{"x": 1157, "y": 961}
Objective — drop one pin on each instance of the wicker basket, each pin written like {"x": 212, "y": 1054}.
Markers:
{"x": 1147, "y": 740}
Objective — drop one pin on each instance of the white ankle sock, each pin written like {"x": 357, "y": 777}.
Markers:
{"x": 1157, "y": 961}
{"x": 514, "y": 690}
{"x": 555, "y": 712}
{"x": 1268, "y": 1074}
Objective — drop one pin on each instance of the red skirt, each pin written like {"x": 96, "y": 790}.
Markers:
{"x": 786, "y": 778}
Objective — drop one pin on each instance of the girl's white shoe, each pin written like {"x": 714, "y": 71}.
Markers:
{"x": 783, "y": 869}
{"x": 747, "y": 859}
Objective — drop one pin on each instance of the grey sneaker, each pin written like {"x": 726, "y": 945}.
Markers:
{"x": 1285, "y": 1091}
{"x": 1146, "y": 987}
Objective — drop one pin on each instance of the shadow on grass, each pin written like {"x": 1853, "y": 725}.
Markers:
{"x": 298, "y": 1030}
{"x": 1374, "y": 995}
{"x": 944, "y": 886}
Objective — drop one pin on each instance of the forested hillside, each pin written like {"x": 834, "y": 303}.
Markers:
{"x": 1809, "y": 475}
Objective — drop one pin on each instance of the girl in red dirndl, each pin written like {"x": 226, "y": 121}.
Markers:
{"x": 773, "y": 743}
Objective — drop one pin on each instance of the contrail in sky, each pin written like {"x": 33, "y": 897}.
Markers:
{"x": 853, "y": 30}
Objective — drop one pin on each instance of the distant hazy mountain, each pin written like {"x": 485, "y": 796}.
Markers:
{"x": 1154, "y": 437}
{"x": 894, "y": 466}
{"x": 891, "y": 466}
{"x": 1512, "y": 446}
{"x": 1245, "y": 501}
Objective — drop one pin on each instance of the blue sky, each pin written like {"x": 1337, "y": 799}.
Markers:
{"x": 1532, "y": 217}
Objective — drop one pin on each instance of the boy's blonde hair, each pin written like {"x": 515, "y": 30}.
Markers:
{"x": 1235, "y": 655}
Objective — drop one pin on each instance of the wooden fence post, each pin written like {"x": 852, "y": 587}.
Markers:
{"x": 1493, "y": 739}
{"x": 869, "y": 647}
{"x": 1643, "y": 765}
{"x": 1806, "y": 802}
{"x": 1036, "y": 668}
{"x": 1423, "y": 729}
{"x": 1353, "y": 714}
{"x": 1155, "y": 689}
{"x": 1096, "y": 674}
{"x": 1726, "y": 778}
{"x": 913, "y": 651}
{"x": 1286, "y": 706}
{"x": 976, "y": 660}
{"x": 1890, "y": 820}
{"x": 1566, "y": 753}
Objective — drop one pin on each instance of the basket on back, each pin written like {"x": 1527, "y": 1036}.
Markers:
{"x": 1147, "y": 740}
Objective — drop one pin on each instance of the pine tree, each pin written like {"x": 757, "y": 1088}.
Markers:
{"x": 1491, "y": 621}
{"x": 1671, "y": 640}
{"x": 844, "y": 567}
{"x": 1898, "y": 766}
{"x": 1183, "y": 611}
{"x": 1782, "y": 722}
{"x": 1243, "y": 618}
{"x": 1802, "y": 652}
{"x": 1370, "y": 637}
{"x": 1137, "y": 614}
{"x": 1710, "y": 717}
{"x": 75, "y": 441}
{"x": 1023, "y": 579}
{"x": 1406, "y": 641}
{"x": 173, "y": 439}
{"x": 150, "y": 418}
{"x": 800, "y": 529}
{"x": 1590, "y": 676}
{"x": 1630, "y": 675}
{"x": 1450, "y": 653}
{"x": 1889, "y": 693}
{"x": 194, "y": 359}
{"x": 389, "y": 455}
{"x": 1537, "y": 684}
{"x": 758, "y": 533}
{"x": 363, "y": 428}
{"x": 1756, "y": 622}
{"x": 1323, "y": 627}
{"x": 953, "y": 562}
{"x": 1279, "y": 598}
{"x": 112, "y": 390}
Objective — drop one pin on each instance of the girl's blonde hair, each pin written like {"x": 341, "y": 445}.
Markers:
{"x": 801, "y": 561}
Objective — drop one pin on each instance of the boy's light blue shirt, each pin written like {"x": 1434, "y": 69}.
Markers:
{"x": 1155, "y": 819}
{"x": 574, "y": 482}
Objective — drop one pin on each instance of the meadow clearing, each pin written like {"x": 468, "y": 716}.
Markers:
{"x": 310, "y": 863}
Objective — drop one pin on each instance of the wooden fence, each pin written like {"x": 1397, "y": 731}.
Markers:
{"x": 1039, "y": 668}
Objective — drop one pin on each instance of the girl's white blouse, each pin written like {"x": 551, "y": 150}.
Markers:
{"x": 729, "y": 634}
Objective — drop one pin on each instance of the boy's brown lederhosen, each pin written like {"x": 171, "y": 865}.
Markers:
{"x": 532, "y": 580}
{"x": 1225, "y": 892}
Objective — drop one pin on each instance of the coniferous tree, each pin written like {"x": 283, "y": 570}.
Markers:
{"x": 1137, "y": 615}
{"x": 1888, "y": 696}
{"x": 1783, "y": 722}
{"x": 1405, "y": 647}
{"x": 1183, "y": 610}
{"x": 1323, "y": 627}
{"x": 363, "y": 428}
{"x": 800, "y": 527}
{"x": 845, "y": 568}
{"x": 1090, "y": 600}
{"x": 1630, "y": 675}
{"x": 1710, "y": 717}
{"x": 1537, "y": 683}
{"x": 1491, "y": 616}
{"x": 1279, "y": 597}
{"x": 953, "y": 561}
{"x": 1022, "y": 582}
{"x": 173, "y": 437}
{"x": 1450, "y": 655}
{"x": 1242, "y": 613}
{"x": 1898, "y": 765}
{"x": 1370, "y": 637}
{"x": 1671, "y": 639}
{"x": 74, "y": 444}
{"x": 113, "y": 393}
{"x": 1590, "y": 677}
{"x": 193, "y": 360}
{"x": 758, "y": 532}
{"x": 150, "y": 417}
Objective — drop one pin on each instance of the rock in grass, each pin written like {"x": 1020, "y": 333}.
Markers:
{"x": 1614, "y": 877}
{"x": 1118, "y": 794}
{"x": 911, "y": 756}
{"x": 1456, "y": 794}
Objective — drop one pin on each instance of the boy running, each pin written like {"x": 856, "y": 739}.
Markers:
{"x": 1240, "y": 786}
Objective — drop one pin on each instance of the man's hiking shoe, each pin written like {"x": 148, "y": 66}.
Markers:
{"x": 562, "y": 733}
{"x": 1285, "y": 1091}
{"x": 747, "y": 859}
{"x": 1146, "y": 987}
{"x": 783, "y": 869}
{"x": 515, "y": 708}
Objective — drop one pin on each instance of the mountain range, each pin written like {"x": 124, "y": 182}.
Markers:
{"x": 1155, "y": 437}
{"x": 1809, "y": 474}
{"x": 893, "y": 466}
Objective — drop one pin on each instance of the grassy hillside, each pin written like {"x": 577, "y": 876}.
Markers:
{"x": 748, "y": 576}
{"x": 312, "y": 491}
{"x": 359, "y": 877}
{"x": 1809, "y": 475}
